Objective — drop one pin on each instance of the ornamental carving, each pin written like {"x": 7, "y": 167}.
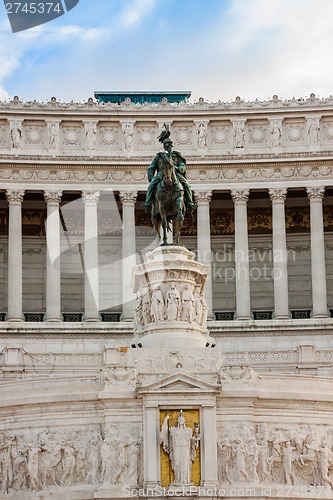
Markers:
{"x": 15, "y": 197}
{"x": 53, "y": 197}
{"x": 328, "y": 130}
{"x": 220, "y": 134}
{"x": 90, "y": 197}
{"x": 34, "y": 134}
{"x": 71, "y": 135}
{"x": 146, "y": 135}
{"x": 240, "y": 196}
{"x": 257, "y": 134}
{"x": 108, "y": 135}
{"x": 203, "y": 197}
{"x": 294, "y": 132}
{"x": 277, "y": 195}
{"x": 2, "y": 134}
{"x": 315, "y": 194}
{"x": 183, "y": 134}
{"x": 128, "y": 198}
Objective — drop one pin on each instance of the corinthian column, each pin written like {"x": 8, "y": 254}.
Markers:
{"x": 53, "y": 295}
{"x": 243, "y": 305}
{"x": 15, "y": 199}
{"x": 280, "y": 256}
{"x": 318, "y": 270}
{"x": 128, "y": 200}
{"x": 203, "y": 199}
{"x": 91, "y": 275}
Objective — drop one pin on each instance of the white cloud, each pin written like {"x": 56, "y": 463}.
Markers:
{"x": 134, "y": 12}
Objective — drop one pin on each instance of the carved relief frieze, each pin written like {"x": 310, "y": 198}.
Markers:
{"x": 295, "y": 133}
{"x": 3, "y": 135}
{"x": 257, "y": 133}
{"x": 34, "y": 134}
{"x": 72, "y": 135}
{"x": 108, "y": 135}
{"x": 264, "y": 453}
{"x": 145, "y": 135}
{"x": 183, "y": 134}
{"x": 220, "y": 134}
{"x": 60, "y": 457}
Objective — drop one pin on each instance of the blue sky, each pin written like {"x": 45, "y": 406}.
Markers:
{"x": 218, "y": 49}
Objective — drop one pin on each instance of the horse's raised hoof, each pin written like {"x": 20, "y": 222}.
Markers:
{"x": 165, "y": 244}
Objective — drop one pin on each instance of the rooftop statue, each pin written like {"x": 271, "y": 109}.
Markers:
{"x": 169, "y": 194}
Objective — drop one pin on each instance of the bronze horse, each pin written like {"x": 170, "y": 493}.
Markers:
{"x": 169, "y": 203}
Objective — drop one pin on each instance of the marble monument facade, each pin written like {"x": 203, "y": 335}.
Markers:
{"x": 85, "y": 389}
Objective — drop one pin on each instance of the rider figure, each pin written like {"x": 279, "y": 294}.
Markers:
{"x": 180, "y": 169}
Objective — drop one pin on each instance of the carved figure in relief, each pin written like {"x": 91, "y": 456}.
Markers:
{"x": 172, "y": 303}
{"x": 276, "y": 135}
{"x": 204, "y": 315}
{"x": 239, "y": 135}
{"x": 6, "y": 468}
{"x": 132, "y": 452}
{"x": 325, "y": 461}
{"x": 252, "y": 460}
{"x": 20, "y": 466}
{"x": 138, "y": 317}
{"x": 33, "y": 462}
{"x": 68, "y": 464}
{"x": 146, "y": 307}
{"x": 240, "y": 452}
{"x": 53, "y": 136}
{"x": 224, "y": 446}
{"x": 313, "y": 133}
{"x": 128, "y": 136}
{"x": 187, "y": 303}
{"x": 198, "y": 305}
{"x": 16, "y": 135}
{"x": 287, "y": 462}
{"x": 157, "y": 304}
{"x": 90, "y": 136}
{"x": 50, "y": 458}
{"x": 202, "y": 136}
{"x": 94, "y": 460}
{"x": 181, "y": 445}
{"x": 263, "y": 471}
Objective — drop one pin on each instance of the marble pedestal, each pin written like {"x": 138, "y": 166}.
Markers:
{"x": 171, "y": 309}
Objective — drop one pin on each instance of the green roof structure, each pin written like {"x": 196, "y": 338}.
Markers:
{"x": 138, "y": 97}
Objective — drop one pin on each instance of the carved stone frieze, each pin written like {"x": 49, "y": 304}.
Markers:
{"x": 109, "y": 135}
{"x": 265, "y": 453}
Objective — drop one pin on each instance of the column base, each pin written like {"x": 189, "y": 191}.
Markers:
{"x": 91, "y": 319}
{"x": 281, "y": 316}
{"x": 54, "y": 319}
{"x": 243, "y": 318}
{"x": 320, "y": 315}
{"x": 15, "y": 319}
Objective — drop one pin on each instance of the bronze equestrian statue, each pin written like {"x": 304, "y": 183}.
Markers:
{"x": 169, "y": 194}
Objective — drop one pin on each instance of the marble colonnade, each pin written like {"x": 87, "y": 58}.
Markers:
{"x": 128, "y": 199}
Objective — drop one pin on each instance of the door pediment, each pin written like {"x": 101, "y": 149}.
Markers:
{"x": 179, "y": 383}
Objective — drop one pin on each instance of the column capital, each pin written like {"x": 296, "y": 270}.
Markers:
{"x": 315, "y": 194}
{"x": 203, "y": 197}
{"x": 90, "y": 197}
{"x": 277, "y": 195}
{"x": 128, "y": 198}
{"x": 52, "y": 197}
{"x": 240, "y": 197}
{"x": 15, "y": 197}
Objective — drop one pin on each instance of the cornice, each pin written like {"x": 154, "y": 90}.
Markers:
{"x": 90, "y": 106}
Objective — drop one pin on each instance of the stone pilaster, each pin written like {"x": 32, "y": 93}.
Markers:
{"x": 15, "y": 199}
{"x": 243, "y": 305}
{"x": 91, "y": 266}
{"x": 280, "y": 256}
{"x": 203, "y": 199}
{"x": 128, "y": 200}
{"x": 53, "y": 272}
{"x": 318, "y": 268}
